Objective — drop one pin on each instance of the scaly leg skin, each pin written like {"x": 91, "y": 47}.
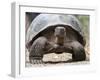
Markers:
{"x": 36, "y": 60}
{"x": 37, "y": 50}
{"x": 78, "y": 51}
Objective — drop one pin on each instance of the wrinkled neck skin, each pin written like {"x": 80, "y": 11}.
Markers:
{"x": 60, "y": 40}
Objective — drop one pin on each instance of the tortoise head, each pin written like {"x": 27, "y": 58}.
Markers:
{"x": 60, "y": 33}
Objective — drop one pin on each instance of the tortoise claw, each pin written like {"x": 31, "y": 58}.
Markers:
{"x": 36, "y": 61}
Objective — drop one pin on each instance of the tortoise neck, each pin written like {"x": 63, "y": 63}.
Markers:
{"x": 60, "y": 40}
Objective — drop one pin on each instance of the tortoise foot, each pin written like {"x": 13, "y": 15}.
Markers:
{"x": 36, "y": 60}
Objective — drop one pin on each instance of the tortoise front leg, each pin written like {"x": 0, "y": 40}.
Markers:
{"x": 78, "y": 52}
{"x": 37, "y": 50}
{"x": 76, "y": 49}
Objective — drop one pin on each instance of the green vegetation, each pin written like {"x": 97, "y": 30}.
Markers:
{"x": 84, "y": 19}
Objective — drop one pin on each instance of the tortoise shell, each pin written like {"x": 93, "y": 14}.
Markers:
{"x": 45, "y": 24}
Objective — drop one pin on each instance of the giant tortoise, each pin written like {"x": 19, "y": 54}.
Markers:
{"x": 55, "y": 33}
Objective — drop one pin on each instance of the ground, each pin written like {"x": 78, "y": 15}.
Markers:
{"x": 56, "y": 59}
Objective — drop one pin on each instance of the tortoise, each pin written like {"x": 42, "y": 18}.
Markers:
{"x": 55, "y": 33}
